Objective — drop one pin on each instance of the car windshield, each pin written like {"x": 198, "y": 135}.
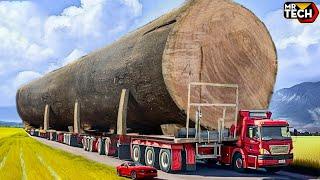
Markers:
{"x": 275, "y": 132}
{"x": 134, "y": 164}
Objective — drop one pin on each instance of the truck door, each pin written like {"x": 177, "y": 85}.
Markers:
{"x": 252, "y": 140}
{"x": 251, "y": 145}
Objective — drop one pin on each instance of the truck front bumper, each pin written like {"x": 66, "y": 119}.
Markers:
{"x": 275, "y": 160}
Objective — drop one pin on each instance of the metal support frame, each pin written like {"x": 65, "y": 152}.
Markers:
{"x": 216, "y": 151}
{"x": 46, "y": 117}
{"x": 223, "y": 105}
{"x": 255, "y": 162}
{"x": 221, "y": 124}
{"x": 122, "y": 112}
{"x": 198, "y": 123}
{"x": 76, "y": 118}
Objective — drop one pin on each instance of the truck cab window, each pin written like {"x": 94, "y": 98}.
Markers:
{"x": 253, "y": 132}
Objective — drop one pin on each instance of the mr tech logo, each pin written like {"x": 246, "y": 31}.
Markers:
{"x": 305, "y": 12}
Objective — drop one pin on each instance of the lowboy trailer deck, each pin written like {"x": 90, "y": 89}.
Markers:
{"x": 253, "y": 140}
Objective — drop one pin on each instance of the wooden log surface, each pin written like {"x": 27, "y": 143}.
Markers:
{"x": 208, "y": 41}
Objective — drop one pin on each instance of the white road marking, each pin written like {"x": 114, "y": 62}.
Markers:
{"x": 3, "y": 162}
{"x": 23, "y": 166}
{"x": 52, "y": 172}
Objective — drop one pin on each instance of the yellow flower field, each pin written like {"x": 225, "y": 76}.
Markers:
{"x": 22, "y": 157}
{"x": 307, "y": 151}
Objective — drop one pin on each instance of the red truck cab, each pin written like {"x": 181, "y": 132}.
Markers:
{"x": 262, "y": 143}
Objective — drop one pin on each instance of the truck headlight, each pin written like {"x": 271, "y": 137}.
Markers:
{"x": 264, "y": 151}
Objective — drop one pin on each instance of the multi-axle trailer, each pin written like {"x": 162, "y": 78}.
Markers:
{"x": 252, "y": 141}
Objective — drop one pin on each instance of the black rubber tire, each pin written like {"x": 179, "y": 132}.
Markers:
{"x": 87, "y": 143}
{"x": 84, "y": 143}
{"x": 133, "y": 175}
{"x": 151, "y": 156}
{"x": 101, "y": 148}
{"x": 91, "y": 144}
{"x": 237, "y": 163}
{"x": 273, "y": 169}
{"x": 118, "y": 173}
{"x": 106, "y": 147}
{"x": 136, "y": 153}
{"x": 165, "y": 160}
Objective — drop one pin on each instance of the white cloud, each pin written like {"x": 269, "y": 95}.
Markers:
{"x": 24, "y": 77}
{"x": 135, "y": 5}
{"x": 94, "y": 21}
{"x": 8, "y": 87}
{"x": 73, "y": 56}
{"x": 298, "y": 47}
{"x": 33, "y": 43}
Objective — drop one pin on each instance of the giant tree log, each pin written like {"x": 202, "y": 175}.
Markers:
{"x": 203, "y": 41}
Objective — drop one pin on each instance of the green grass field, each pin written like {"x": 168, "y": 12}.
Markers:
{"x": 307, "y": 151}
{"x": 22, "y": 157}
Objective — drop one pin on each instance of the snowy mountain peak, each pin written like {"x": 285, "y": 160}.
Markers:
{"x": 299, "y": 104}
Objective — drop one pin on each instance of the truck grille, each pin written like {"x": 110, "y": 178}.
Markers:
{"x": 279, "y": 149}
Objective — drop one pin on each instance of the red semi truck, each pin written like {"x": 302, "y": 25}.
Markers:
{"x": 253, "y": 141}
{"x": 261, "y": 143}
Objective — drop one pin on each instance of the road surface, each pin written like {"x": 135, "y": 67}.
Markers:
{"x": 203, "y": 170}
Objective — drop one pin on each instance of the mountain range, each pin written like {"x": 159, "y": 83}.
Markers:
{"x": 300, "y": 105}
{"x": 10, "y": 124}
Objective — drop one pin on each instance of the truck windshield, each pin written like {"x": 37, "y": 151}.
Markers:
{"x": 275, "y": 132}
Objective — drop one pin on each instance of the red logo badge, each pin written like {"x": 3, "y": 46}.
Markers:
{"x": 305, "y": 12}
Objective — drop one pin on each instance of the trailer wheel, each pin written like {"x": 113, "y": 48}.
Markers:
{"x": 84, "y": 143}
{"x": 92, "y": 144}
{"x": 149, "y": 156}
{"x": 165, "y": 160}
{"x": 87, "y": 143}
{"x": 106, "y": 147}
{"x": 100, "y": 145}
{"x": 136, "y": 153}
{"x": 237, "y": 163}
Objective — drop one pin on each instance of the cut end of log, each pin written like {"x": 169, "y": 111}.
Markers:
{"x": 220, "y": 42}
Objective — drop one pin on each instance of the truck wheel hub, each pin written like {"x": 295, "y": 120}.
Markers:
{"x": 136, "y": 154}
{"x": 165, "y": 160}
{"x": 150, "y": 157}
{"x": 239, "y": 163}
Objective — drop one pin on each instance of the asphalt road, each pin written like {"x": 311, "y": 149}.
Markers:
{"x": 203, "y": 171}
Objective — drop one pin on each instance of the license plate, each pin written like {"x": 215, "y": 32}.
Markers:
{"x": 282, "y": 161}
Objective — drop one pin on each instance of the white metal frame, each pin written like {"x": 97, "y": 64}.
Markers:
{"x": 216, "y": 151}
{"x": 223, "y": 105}
{"x": 255, "y": 162}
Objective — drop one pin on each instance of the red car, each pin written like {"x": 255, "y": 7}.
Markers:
{"x": 136, "y": 170}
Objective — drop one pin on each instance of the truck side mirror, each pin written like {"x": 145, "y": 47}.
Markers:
{"x": 250, "y": 132}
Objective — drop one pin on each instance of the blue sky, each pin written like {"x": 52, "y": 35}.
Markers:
{"x": 39, "y": 36}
